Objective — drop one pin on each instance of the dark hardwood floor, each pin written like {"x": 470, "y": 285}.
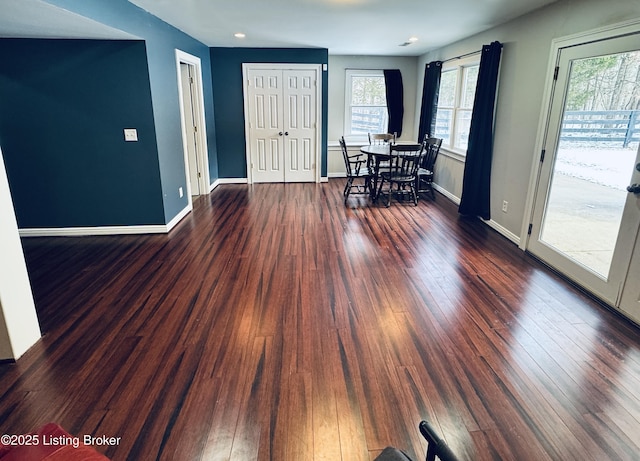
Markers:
{"x": 274, "y": 323}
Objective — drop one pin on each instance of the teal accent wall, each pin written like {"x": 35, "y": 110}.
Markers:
{"x": 159, "y": 41}
{"x": 63, "y": 107}
{"x": 62, "y": 135}
{"x": 226, "y": 65}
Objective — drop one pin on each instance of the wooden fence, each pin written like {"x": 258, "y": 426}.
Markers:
{"x": 611, "y": 126}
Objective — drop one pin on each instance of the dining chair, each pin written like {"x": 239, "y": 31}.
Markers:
{"x": 358, "y": 177}
{"x": 424, "y": 176}
{"x": 382, "y": 138}
{"x": 404, "y": 161}
{"x": 437, "y": 449}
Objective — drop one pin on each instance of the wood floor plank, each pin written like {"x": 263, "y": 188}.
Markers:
{"x": 349, "y": 410}
{"x": 276, "y": 323}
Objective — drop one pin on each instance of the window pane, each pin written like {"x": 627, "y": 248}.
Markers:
{"x": 366, "y": 103}
{"x": 443, "y": 125}
{"x": 455, "y": 105}
{"x": 447, "y": 95}
{"x": 368, "y": 91}
{"x": 463, "y": 122}
{"x": 368, "y": 119}
{"x": 469, "y": 80}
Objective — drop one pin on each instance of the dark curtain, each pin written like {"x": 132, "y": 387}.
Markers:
{"x": 476, "y": 184}
{"x": 395, "y": 95}
{"x": 430, "y": 89}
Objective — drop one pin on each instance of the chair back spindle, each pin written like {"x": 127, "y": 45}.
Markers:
{"x": 424, "y": 180}
{"x": 358, "y": 177}
{"x": 404, "y": 161}
{"x": 382, "y": 138}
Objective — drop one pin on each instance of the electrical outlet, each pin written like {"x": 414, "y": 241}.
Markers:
{"x": 180, "y": 192}
{"x": 505, "y": 206}
{"x": 130, "y": 134}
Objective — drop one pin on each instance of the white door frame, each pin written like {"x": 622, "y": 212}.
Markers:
{"x": 245, "y": 85}
{"x": 610, "y": 294}
{"x": 201, "y": 134}
{"x": 603, "y": 33}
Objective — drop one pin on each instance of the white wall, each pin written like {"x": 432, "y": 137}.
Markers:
{"x": 525, "y": 55}
{"x": 19, "y": 327}
{"x": 336, "y": 75}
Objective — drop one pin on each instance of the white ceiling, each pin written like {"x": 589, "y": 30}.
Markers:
{"x": 38, "y": 19}
{"x": 359, "y": 27}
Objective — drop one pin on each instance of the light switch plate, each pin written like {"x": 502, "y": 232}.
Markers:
{"x": 130, "y": 134}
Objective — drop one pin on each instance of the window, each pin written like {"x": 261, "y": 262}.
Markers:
{"x": 365, "y": 103}
{"x": 455, "y": 104}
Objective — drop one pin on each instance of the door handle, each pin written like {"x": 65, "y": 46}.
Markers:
{"x": 280, "y": 134}
{"x": 634, "y": 188}
{"x": 286, "y": 133}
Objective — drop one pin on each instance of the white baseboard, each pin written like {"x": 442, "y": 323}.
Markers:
{"x": 246, "y": 181}
{"x": 491, "y": 223}
{"x": 215, "y": 184}
{"x": 87, "y": 231}
{"x": 232, "y": 181}
{"x": 503, "y": 231}
{"x": 105, "y": 230}
{"x": 185, "y": 211}
{"x": 447, "y": 194}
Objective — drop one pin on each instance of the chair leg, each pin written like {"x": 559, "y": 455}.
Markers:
{"x": 390, "y": 196}
{"x": 347, "y": 190}
{"x": 347, "y": 187}
{"x": 390, "y": 191}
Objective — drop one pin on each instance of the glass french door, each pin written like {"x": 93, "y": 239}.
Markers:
{"x": 585, "y": 221}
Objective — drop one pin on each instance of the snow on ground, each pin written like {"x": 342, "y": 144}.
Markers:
{"x": 597, "y": 163}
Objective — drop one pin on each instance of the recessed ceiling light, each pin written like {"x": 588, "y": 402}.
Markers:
{"x": 239, "y": 35}
{"x": 409, "y": 42}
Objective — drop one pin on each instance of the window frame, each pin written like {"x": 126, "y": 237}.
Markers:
{"x": 458, "y": 66}
{"x": 349, "y": 74}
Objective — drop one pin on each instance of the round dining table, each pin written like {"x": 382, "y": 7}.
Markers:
{"x": 376, "y": 153}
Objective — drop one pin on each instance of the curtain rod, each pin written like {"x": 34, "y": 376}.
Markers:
{"x": 462, "y": 56}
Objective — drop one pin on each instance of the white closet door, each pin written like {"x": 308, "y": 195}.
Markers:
{"x": 282, "y": 123}
{"x": 265, "y": 125}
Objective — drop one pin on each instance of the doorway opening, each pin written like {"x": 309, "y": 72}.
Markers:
{"x": 585, "y": 212}
{"x": 595, "y": 158}
{"x": 194, "y": 139}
